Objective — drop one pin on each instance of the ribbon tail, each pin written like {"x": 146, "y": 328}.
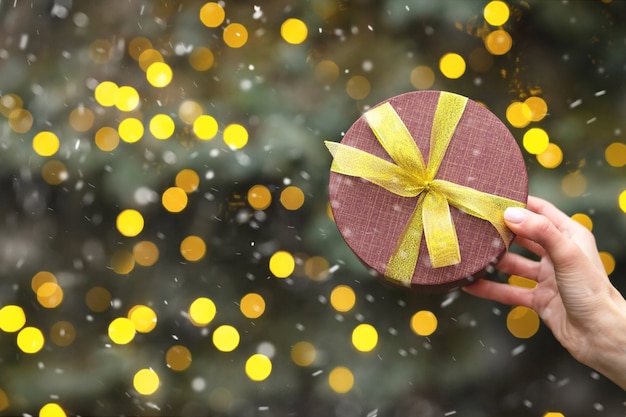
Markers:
{"x": 401, "y": 265}
{"x": 357, "y": 163}
{"x": 439, "y": 231}
{"x": 488, "y": 207}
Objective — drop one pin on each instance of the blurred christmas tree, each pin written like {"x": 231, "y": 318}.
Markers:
{"x": 166, "y": 246}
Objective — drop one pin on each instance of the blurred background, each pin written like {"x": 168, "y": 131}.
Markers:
{"x": 166, "y": 245}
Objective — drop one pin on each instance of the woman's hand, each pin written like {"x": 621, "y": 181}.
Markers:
{"x": 573, "y": 296}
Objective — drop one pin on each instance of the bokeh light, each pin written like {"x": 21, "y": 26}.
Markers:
{"x": 551, "y": 157}
{"x": 202, "y": 311}
{"x": 326, "y": 71}
{"x": 174, "y": 199}
{"x": 122, "y": 331}
{"x": 341, "y": 379}
{"x": 518, "y": 114}
{"x": 608, "y": 261}
{"x": 452, "y": 65}
{"x": 342, "y": 298}
{"x": 252, "y": 305}
{"x": 303, "y": 354}
{"x": 62, "y": 333}
{"x": 146, "y": 381}
{"x": 188, "y": 180}
{"x": 259, "y": 197}
{"x": 364, "y": 337}
{"x": 317, "y": 268}
{"x": 522, "y": 282}
{"x": 498, "y": 42}
{"x": 358, "y": 87}
{"x": 46, "y": 143}
{"x": 178, "y": 358}
{"x": 30, "y": 340}
{"x": 226, "y": 338}
{"x": 12, "y": 318}
{"x": 282, "y": 264}
{"x": 146, "y": 253}
{"x": 107, "y": 138}
{"x": 52, "y": 410}
{"x": 583, "y": 219}
{"x": 212, "y": 14}
{"x": 106, "y": 93}
{"x": 294, "y": 31}
{"x": 615, "y": 154}
{"x": 149, "y": 57}
{"x": 159, "y": 74}
{"x": 143, "y": 317}
{"x": 422, "y": 77}
{"x": 127, "y": 98}
{"x": 424, "y": 323}
{"x": 535, "y": 140}
{"x": 201, "y": 58}
{"x": 292, "y": 198}
{"x": 41, "y": 278}
{"x": 522, "y": 322}
{"x": 235, "y": 35}
{"x": 258, "y": 367}
{"x": 496, "y": 13}
{"x": 81, "y": 119}
{"x": 538, "y": 108}
{"x": 235, "y": 136}
{"x": 193, "y": 248}
{"x": 49, "y": 295}
{"x": 574, "y": 184}
{"x": 130, "y": 222}
{"x": 20, "y": 120}
{"x": 54, "y": 172}
{"x": 162, "y": 126}
{"x": 189, "y": 111}
{"x": 205, "y": 127}
{"x": 130, "y": 130}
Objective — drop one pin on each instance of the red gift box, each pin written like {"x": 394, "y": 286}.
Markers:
{"x": 418, "y": 186}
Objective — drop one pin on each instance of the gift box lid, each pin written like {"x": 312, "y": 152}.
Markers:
{"x": 382, "y": 196}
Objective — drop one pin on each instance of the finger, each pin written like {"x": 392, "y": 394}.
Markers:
{"x": 534, "y": 247}
{"x": 514, "y": 264}
{"x": 502, "y": 293}
{"x": 545, "y": 208}
{"x": 565, "y": 254}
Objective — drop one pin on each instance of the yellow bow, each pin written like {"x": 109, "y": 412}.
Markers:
{"x": 410, "y": 177}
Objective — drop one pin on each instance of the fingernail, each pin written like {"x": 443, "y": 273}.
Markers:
{"x": 514, "y": 214}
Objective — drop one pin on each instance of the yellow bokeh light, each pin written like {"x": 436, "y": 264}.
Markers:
{"x": 292, "y": 198}
{"x": 452, "y": 65}
{"x": 162, "y": 126}
{"x": 422, "y": 77}
{"x": 342, "y": 298}
{"x": 50, "y": 295}
{"x": 282, "y": 264}
{"x": 41, "y": 278}
{"x": 107, "y": 138}
{"x": 258, "y": 367}
{"x": 146, "y": 253}
{"x": 538, "y": 108}
{"x": 326, "y": 71}
{"x": 98, "y": 299}
{"x": 174, "y": 199}
{"x": 317, "y": 268}
{"x": 137, "y": 45}
{"x": 143, "y": 317}
{"x": 303, "y": 354}
{"x": 149, "y": 57}
{"x": 201, "y": 58}
{"x": 129, "y": 222}
{"x": 178, "y": 358}
{"x": 615, "y": 154}
{"x": 130, "y": 130}
{"x": 20, "y": 120}
{"x": 212, "y": 14}
{"x": 424, "y": 323}
{"x": 54, "y": 172}
{"x": 146, "y": 381}
{"x": 4, "y": 400}
{"x": 535, "y": 140}
{"x": 127, "y": 98}
{"x": 259, "y": 197}
{"x": 10, "y": 102}
{"x": 235, "y": 35}
{"x": 122, "y": 262}
{"x": 30, "y": 340}
{"x": 81, "y": 119}
{"x": 188, "y": 180}
{"x": 252, "y": 305}
{"x": 122, "y": 331}
{"x": 46, "y": 143}
{"x": 235, "y": 136}
{"x": 106, "y": 93}
{"x": 358, "y": 87}
{"x": 518, "y": 114}
{"x": 523, "y": 282}
{"x": 341, "y": 379}
{"x": 294, "y": 31}
{"x": 364, "y": 337}
{"x": 522, "y": 322}
{"x": 608, "y": 261}
{"x": 226, "y": 338}
{"x": 189, "y": 111}
{"x": 574, "y": 184}
{"x": 202, "y": 311}
{"x": 193, "y": 248}
{"x": 205, "y": 127}
{"x": 159, "y": 74}
{"x": 583, "y": 219}
{"x": 12, "y": 318}
{"x": 551, "y": 157}
{"x": 52, "y": 410}
{"x": 553, "y": 414}
{"x": 622, "y": 201}
{"x": 62, "y": 333}
{"x": 498, "y": 42}
{"x": 496, "y": 13}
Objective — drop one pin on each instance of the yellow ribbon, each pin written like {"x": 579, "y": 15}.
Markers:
{"x": 410, "y": 177}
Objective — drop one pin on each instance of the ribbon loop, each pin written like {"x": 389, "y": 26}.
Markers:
{"x": 408, "y": 176}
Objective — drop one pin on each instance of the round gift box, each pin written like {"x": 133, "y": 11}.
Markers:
{"x": 482, "y": 154}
